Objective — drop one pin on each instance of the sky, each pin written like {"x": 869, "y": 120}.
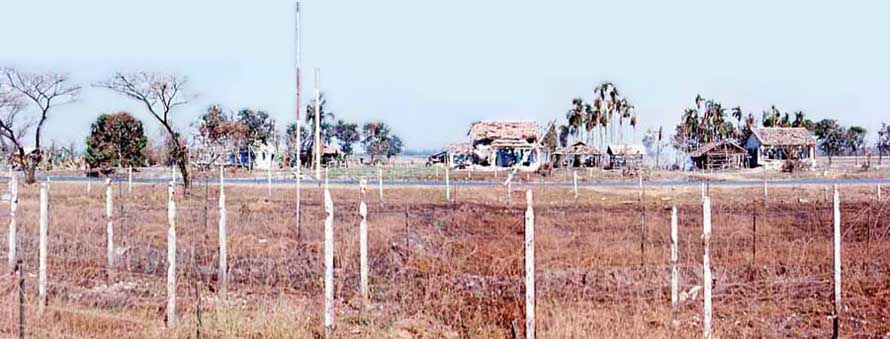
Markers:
{"x": 431, "y": 68}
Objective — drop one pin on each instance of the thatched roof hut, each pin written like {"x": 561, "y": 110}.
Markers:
{"x": 772, "y": 146}
{"x": 723, "y": 154}
{"x": 625, "y": 156}
{"x": 490, "y": 131}
{"x": 576, "y": 155}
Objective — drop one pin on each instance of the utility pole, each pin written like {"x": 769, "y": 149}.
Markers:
{"x": 317, "y": 124}
{"x": 299, "y": 142}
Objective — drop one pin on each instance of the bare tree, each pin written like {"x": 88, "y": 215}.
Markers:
{"x": 46, "y": 90}
{"x": 161, "y": 94}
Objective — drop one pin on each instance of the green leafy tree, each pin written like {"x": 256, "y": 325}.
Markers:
{"x": 116, "y": 140}
{"x": 855, "y": 140}
{"x": 831, "y": 136}
{"x": 347, "y": 135}
{"x": 883, "y": 144}
{"x": 379, "y": 141}
{"x": 258, "y": 127}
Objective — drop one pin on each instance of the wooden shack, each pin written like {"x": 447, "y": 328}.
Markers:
{"x": 721, "y": 155}
{"x": 576, "y": 155}
{"x": 625, "y": 156}
{"x": 507, "y": 144}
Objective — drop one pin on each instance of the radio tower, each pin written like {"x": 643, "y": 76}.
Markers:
{"x": 298, "y": 50}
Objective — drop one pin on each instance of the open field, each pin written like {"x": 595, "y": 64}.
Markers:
{"x": 454, "y": 270}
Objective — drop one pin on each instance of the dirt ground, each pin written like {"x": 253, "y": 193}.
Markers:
{"x": 454, "y": 270}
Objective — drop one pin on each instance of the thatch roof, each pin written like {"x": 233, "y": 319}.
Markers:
{"x": 724, "y": 147}
{"x": 514, "y": 130}
{"x": 577, "y": 148}
{"x": 460, "y": 147}
{"x": 784, "y": 136}
{"x": 625, "y": 150}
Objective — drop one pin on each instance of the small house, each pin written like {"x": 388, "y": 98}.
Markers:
{"x": 625, "y": 156}
{"x": 772, "y": 146}
{"x": 576, "y": 155}
{"x": 507, "y": 144}
{"x": 719, "y": 155}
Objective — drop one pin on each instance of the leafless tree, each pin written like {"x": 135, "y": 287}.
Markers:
{"x": 160, "y": 94}
{"x": 46, "y": 90}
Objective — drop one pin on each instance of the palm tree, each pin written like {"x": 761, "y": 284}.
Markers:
{"x": 610, "y": 98}
{"x": 576, "y": 117}
{"x": 737, "y": 114}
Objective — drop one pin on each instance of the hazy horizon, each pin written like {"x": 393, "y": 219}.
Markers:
{"x": 430, "y": 69}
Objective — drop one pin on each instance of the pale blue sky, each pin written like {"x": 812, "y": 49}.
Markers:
{"x": 431, "y": 68}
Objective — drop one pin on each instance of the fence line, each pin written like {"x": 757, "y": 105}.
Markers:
{"x": 109, "y": 226}
{"x": 44, "y": 223}
{"x": 363, "y": 245}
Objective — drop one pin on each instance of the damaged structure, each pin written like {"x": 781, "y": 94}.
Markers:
{"x": 625, "y": 156}
{"x": 773, "y": 146}
{"x": 576, "y": 155}
{"x": 719, "y": 155}
{"x": 506, "y": 144}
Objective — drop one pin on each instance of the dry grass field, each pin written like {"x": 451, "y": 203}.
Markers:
{"x": 441, "y": 270}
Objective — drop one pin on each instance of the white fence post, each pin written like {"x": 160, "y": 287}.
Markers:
{"x": 44, "y": 223}
{"x": 328, "y": 265}
{"x": 706, "y": 265}
{"x": 675, "y": 273}
{"x": 380, "y": 182}
{"x": 837, "y": 262}
{"x": 529, "y": 267}
{"x": 89, "y": 185}
{"x": 222, "y": 274}
{"x": 575, "y": 182}
{"x": 171, "y": 257}
{"x": 269, "y": 179}
{"x": 109, "y": 226}
{"x": 447, "y": 183}
{"x": 13, "y": 206}
{"x": 130, "y": 179}
{"x": 363, "y": 244}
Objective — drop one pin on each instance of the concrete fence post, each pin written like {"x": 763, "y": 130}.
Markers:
{"x": 130, "y": 179}
{"x": 837, "y": 263}
{"x": 13, "y": 206}
{"x": 575, "y": 182}
{"x": 109, "y": 226}
{"x": 675, "y": 273}
{"x": 363, "y": 244}
{"x": 380, "y": 182}
{"x": 706, "y": 266}
{"x": 529, "y": 267}
{"x": 447, "y": 183}
{"x": 328, "y": 265}
{"x": 171, "y": 256}
{"x": 44, "y": 223}
{"x": 222, "y": 274}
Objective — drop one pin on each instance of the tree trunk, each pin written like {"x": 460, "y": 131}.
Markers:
{"x": 182, "y": 162}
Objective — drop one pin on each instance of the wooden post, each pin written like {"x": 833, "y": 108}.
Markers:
{"x": 21, "y": 284}
{"x": 754, "y": 234}
{"x": 89, "y": 185}
{"x": 837, "y": 263}
{"x": 529, "y": 267}
{"x": 171, "y": 257}
{"x": 675, "y": 273}
{"x": 130, "y": 179}
{"x": 328, "y": 265}
{"x": 706, "y": 265}
{"x": 879, "y": 192}
{"x": 109, "y": 226}
{"x": 44, "y": 223}
{"x": 222, "y": 274}
{"x": 380, "y": 182}
{"x": 317, "y": 143}
{"x": 363, "y": 244}
{"x": 13, "y": 206}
